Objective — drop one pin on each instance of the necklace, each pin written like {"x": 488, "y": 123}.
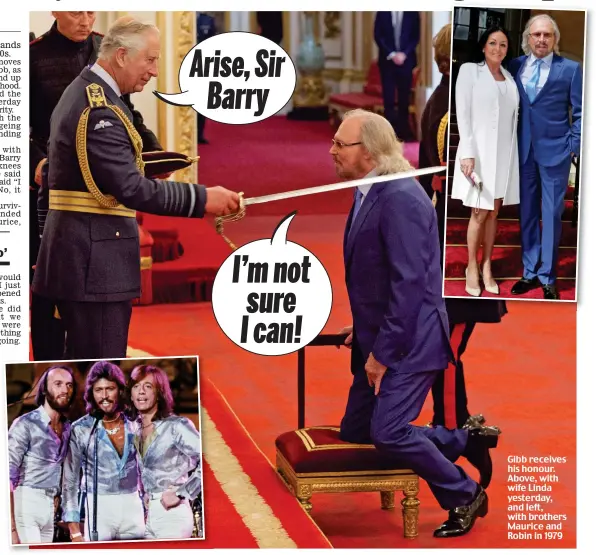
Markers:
{"x": 113, "y": 419}
{"x": 112, "y": 431}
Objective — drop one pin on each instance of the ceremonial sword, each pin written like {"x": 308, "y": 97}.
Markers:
{"x": 244, "y": 202}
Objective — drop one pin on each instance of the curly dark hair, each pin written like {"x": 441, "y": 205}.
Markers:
{"x": 111, "y": 372}
{"x": 165, "y": 399}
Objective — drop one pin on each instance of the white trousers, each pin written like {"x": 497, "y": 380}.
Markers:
{"x": 33, "y": 515}
{"x": 175, "y": 523}
{"x": 119, "y": 517}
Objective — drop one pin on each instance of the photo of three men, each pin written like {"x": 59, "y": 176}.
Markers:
{"x": 104, "y": 456}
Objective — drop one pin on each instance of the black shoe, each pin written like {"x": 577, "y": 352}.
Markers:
{"x": 550, "y": 292}
{"x": 461, "y": 519}
{"x": 480, "y": 440}
{"x": 524, "y": 285}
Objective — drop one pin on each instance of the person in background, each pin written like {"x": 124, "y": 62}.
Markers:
{"x": 397, "y": 35}
{"x": 450, "y": 401}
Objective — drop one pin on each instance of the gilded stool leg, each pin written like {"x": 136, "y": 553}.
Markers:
{"x": 387, "y": 500}
{"x": 304, "y": 494}
{"x": 410, "y": 510}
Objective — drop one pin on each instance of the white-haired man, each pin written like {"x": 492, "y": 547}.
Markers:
{"x": 550, "y": 89}
{"x": 89, "y": 256}
{"x": 400, "y": 332}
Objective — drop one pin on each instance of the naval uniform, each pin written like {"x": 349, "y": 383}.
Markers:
{"x": 89, "y": 256}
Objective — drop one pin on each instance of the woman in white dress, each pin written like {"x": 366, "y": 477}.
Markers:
{"x": 486, "y": 172}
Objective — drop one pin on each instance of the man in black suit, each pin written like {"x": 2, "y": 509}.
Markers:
{"x": 89, "y": 256}
{"x": 397, "y": 35}
{"x": 56, "y": 58}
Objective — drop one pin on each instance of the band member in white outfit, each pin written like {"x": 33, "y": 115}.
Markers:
{"x": 120, "y": 514}
{"x": 486, "y": 174}
{"x": 169, "y": 455}
{"x": 37, "y": 444}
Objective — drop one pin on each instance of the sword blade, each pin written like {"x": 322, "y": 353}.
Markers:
{"x": 342, "y": 185}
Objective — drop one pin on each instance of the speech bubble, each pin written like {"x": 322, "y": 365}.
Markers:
{"x": 272, "y": 296}
{"x": 235, "y": 78}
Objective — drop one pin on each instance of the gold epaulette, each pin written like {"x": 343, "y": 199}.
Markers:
{"x": 97, "y": 99}
{"x": 441, "y": 136}
{"x": 96, "y": 96}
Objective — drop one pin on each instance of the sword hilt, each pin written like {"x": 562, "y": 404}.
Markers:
{"x": 220, "y": 220}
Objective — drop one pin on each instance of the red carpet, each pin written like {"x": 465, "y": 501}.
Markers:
{"x": 507, "y": 263}
{"x": 521, "y": 381}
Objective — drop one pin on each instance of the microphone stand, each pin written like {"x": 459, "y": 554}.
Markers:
{"x": 94, "y": 534}
{"x": 98, "y": 415}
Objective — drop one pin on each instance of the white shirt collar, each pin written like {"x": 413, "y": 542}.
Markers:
{"x": 98, "y": 70}
{"x": 364, "y": 189}
{"x": 547, "y": 60}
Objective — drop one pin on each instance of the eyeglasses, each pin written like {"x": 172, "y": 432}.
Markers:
{"x": 537, "y": 36}
{"x": 340, "y": 144}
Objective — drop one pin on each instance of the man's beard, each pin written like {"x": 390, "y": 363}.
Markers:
{"x": 61, "y": 405}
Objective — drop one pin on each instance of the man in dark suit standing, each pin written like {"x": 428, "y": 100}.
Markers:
{"x": 400, "y": 332}
{"x": 88, "y": 261}
{"x": 56, "y": 58}
{"x": 549, "y": 129}
{"x": 397, "y": 35}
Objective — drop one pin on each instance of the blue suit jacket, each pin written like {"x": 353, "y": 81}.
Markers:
{"x": 409, "y": 36}
{"x": 545, "y": 124}
{"x": 394, "y": 279}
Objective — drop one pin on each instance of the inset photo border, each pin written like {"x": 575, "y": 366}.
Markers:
{"x": 127, "y": 429}
{"x": 515, "y": 146}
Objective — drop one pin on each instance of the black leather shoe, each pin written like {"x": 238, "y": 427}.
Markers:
{"x": 461, "y": 519}
{"x": 524, "y": 285}
{"x": 550, "y": 292}
{"x": 480, "y": 440}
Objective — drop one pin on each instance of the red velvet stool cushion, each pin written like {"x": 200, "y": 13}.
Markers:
{"x": 319, "y": 450}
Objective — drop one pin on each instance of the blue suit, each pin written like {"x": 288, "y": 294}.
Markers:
{"x": 393, "y": 77}
{"x": 547, "y": 139}
{"x": 394, "y": 281}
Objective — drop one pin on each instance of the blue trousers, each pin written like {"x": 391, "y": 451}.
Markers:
{"x": 542, "y": 193}
{"x": 385, "y": 420}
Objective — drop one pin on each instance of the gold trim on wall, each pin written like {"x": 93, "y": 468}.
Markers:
{"x": 186, "y": 117}
{"x": 253, "y": 23}
{"x": 162, "y": 82}
{"x": 425, "y": 49}
{"x": 287, "y": 30}
{"x": 368, "y": 28}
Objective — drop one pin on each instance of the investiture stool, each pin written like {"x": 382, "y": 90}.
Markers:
{"x": 89, "y": 256}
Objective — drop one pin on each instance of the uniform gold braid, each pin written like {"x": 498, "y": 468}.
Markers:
{"x": 106, "y": 201}
{"x": 441, "y": 136}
